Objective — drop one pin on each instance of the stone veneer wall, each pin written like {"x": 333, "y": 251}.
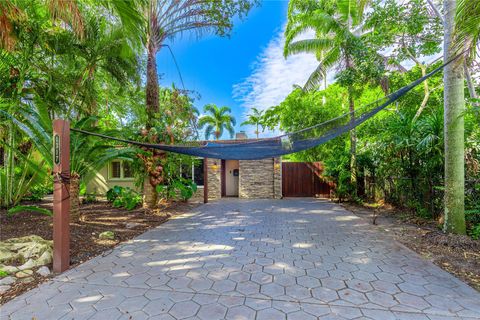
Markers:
{"x": 214, "y": 178}
{"x": 260, "y": 179}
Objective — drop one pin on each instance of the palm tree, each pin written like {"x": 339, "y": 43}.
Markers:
{"x": 168, "y": 18}
{"x": 87, "y": 154}
{"x": 337, "y": 26}
{"x": 454, "y": 107}
{"x": 217, "y": 121}
{"x": 255, "y": 119}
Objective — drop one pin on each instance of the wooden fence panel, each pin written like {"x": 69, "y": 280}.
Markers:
{"x": 303, "y": 179}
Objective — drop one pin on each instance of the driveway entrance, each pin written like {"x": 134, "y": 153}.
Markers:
{"x": 253, "y": 259}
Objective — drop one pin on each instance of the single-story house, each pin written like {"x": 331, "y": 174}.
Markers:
{"x": 251, "y": 179}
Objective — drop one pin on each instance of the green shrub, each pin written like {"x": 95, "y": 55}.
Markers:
{"x": 180, "y": 188}
{"x": 38, "y": 192}
{"x": 18, "y": 209}
{"x": 121, "y": 197}
{"x": 90, "y": 198}
{"x": 475, "y": 233}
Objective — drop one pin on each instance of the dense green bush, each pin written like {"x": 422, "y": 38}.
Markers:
{"x": 124, "y": 197}
{"x": 179, "y": 188}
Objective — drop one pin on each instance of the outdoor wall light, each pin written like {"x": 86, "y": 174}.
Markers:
{"x": 215, "y": 166}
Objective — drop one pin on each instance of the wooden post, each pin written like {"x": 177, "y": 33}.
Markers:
{"x": 61, "y": 197}
{"x": 205, "y": 180}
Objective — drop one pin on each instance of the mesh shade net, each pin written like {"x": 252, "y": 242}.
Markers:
{"x": 285, "y": 144}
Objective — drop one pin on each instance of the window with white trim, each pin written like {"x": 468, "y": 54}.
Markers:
{"x": 120, "y": 170}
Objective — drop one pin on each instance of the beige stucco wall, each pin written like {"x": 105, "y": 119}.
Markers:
{"x": 260, "y": 179}
{"x": 100, "y": 184}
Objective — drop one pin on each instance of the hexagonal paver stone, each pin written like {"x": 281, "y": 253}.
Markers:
{"x": 240, "y": 313}
{"x": 388, "y": 277}
{"x": 413, "y": 289}
{"x": 179, "y": 283}
{"x": 308, "y": 282}
{"x": 158, "y": 306}
{"x": 300, "y": 315}
{"x": 298, "y": 292}
{"x": 133, "y": 304}
{"x": 261, "y": 277}
{"x": 108, "y": 314}
{"x": 239, "y": 276}
{"x": 264, "y": 261}
{"x": 346, "y": 312}
{"x": 412, "y": 301}
{"x": 273, "y": 270}
{"x": 345, "y": 266}
{"x": 363, "y": 275}
{"x": 224, "y": 286}
{"x": 258, "y": 304}
{"x": 316, "y": 310}
{"x": 184, "y": 309}
{"x": 109, "y": 301}
{"x": 325, "y": 294}
{"x": 334, "y": 284}
{"x": 270, "y": 314}
{"x": 353, "y": 296}
{"x": 248, "y": 288}
{"x": 201, "y": 284}
{"x": 252, "y": 267}
{"x": 317, "y": 273}
{"x": 382, "y": 299}
{"x": 340, "y": 274}
{"x": 231, "y": 301}
{"x": 272, "y": 290}
{"x": 286, "y": 306}
{"x": 385, "y": 286}
{"x": 212, "y": 311}
{"x": 284, "y": 279}
{"x": 359, "y": 285}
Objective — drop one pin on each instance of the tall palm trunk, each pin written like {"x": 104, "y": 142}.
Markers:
{"x": 454, "y": 106}
{"x": 74, "y": 197}
{"x": 152, "y": 107}
{"x": 353, "y": 142}
{"x": 151, "y": 94}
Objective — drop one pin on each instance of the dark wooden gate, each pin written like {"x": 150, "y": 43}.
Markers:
{"x": 303, "y": 179}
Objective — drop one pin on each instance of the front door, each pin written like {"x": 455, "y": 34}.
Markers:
{"x": 232, "y": 174}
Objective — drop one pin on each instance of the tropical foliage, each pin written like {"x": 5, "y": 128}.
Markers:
{"x": 94, "y": 64}
{"x": 216, "y": 121}
{"x": 255, "y": 118}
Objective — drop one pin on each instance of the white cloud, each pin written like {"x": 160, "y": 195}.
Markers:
{"x": 273, "y": 76}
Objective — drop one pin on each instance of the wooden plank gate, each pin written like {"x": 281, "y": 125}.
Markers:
{"x": 303, "y": 179}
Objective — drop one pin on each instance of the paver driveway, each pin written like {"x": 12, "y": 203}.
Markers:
{"x": 263, "y": 259}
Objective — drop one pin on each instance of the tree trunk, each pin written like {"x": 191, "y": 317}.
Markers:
{"x": 353, "y": 143}
{"x": 149, "y": 194}
{"x": 74, "y": 197}
{"x": 151, "y": 93}
{"x": 454, "y": 106}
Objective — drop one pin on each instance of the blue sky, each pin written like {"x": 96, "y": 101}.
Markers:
{"x": 243, "y": 71}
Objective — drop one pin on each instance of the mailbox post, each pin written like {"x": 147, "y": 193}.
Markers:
{"x": 61, "y": 197}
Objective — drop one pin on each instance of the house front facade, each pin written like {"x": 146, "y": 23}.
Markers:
{"x": 247, "y": 179}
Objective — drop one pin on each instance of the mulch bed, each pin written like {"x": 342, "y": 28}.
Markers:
{"x": 457, "y": 254}
{"x": 84, "y": 241}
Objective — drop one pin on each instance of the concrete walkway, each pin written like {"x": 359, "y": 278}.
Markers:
{"x": 268, "y": 259}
